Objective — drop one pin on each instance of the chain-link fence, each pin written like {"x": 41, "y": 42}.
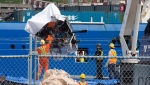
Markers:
{"x": 124, "y": 72}
{"x": 14, "y": 60}
{"x": 13, "y": 68}
{"x": 23, "y": 68}
{"x": 127, "y": 70}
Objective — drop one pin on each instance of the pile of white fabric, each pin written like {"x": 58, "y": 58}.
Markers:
{"x": 49, "y": 14}
{"x": 57, "y": 77}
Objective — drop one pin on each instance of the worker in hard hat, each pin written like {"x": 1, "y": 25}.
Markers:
{"x": 81, "y": 54}
{"x": 99, "y": 61}
{"x": 111, "y": 62}
{"x": 82, "y": 80}
{"x": 44, "y": 49}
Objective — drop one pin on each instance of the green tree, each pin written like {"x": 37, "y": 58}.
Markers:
{"x": 11, "y": 1}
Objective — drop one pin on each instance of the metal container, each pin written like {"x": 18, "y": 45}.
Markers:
{"x": 115, "y": 8}
{"x": 18, "y": 15}
{"x": 105, "y": 8}
{"x": 72, "y": 8}
{"x": 15, "y": 15}
{"x": 76, "y": 16}
{"x": 37, "y": 11}
{"x": 93, "y": 16}
{"x": 23, "y": 15}
{"x": 72, "y": 16}
{"x": 61, "y": 8}
{"x": 87, "y": 8}
{"x": 115, "y": 17}
{"x": 85, "y": 16}
{"x": 27, "y": 14}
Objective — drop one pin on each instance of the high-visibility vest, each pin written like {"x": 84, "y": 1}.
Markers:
{"x": 82, "y": 83}
{"x": 100, "y": 55}
{"x": 42, "y": 48}
{"x": 113, "y": 59}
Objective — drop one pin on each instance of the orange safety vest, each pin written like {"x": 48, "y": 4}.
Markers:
{"x": 82, "y": 83}
{"x": 113, "y": 59}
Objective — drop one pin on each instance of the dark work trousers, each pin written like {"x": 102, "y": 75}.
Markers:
{"x": 99, "y": 69}
{"x": 112, "y": 72}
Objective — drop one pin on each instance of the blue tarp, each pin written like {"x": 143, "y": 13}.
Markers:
{"x": 23, "y": 80}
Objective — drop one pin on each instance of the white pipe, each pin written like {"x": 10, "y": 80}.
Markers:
{"x": 30, "y": 61}
{"x": 35, "y": 57}
{"x": 136, "y": 29}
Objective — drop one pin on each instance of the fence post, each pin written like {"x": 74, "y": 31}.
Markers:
{"x": 30, "y": 60}
{"x": 35, "y": 57}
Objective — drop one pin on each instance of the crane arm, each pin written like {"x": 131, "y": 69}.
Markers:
{"x": 130, "y": 27}
{"x": 136, "y": 12}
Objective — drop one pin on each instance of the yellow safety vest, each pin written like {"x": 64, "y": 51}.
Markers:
{"x": 100, "y": 55}
{"x": 43, "y": 52}
{"x": 113, "y": 59}
{"x": 82, "y": 83}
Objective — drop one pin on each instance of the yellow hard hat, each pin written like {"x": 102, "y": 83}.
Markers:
{"x": 42, "y": 42}
{"x": 81, "y": 59}
{"x": 111, "y": 45}
{"x": 82, "y": 76}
